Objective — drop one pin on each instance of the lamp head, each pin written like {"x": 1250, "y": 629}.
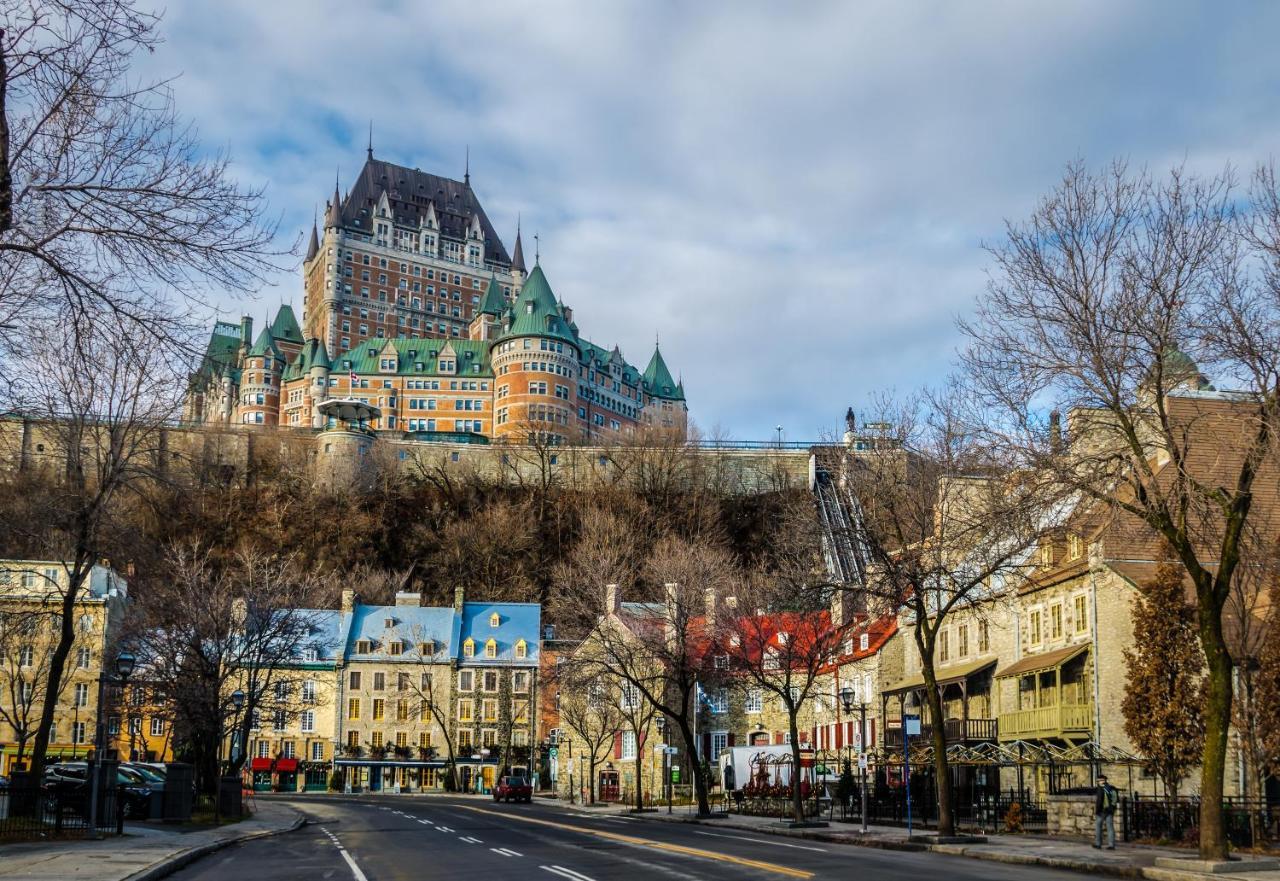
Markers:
{"x": 846, "y": 698}
{"x": 237, "y": 699}
{"x": 125, "y": 664}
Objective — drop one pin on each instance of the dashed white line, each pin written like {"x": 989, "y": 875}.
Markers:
{"x": 444, "y": 828}
{"x": 469, "y": 840}
{"x": 355, "y": 869}
{"x": 506, "y": 851}
{"x": 566, "y": 873}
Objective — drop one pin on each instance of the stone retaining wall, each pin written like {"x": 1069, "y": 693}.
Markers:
{"x": 1070, "y": 814}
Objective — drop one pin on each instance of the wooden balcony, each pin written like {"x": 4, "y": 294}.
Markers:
{"x": 955, "y": 731}
{"x": 1070, "y": 721}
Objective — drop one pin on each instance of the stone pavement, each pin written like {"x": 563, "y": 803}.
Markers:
{"x": 1126, "y": 861}
{"x": 145, "y": 852}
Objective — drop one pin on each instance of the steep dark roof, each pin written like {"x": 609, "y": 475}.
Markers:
{"x": 313, "y": 245}
{"x": 409, "y": 192}
{"x": 285, "y": 327}
{"x": 313, "y": 354}
{"x": 517, "y": 256}
{"x": 536, "y": 312}
{"x": 658, "y": 381}
{"x": 494, "y": 302}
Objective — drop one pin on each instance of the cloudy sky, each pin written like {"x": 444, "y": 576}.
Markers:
{"x": 793, "y": 195}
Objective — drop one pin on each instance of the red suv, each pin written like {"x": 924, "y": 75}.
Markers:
{"x": 513, "y": 789}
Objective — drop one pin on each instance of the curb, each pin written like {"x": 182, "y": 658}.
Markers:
{"x": 1067, "y": 863}
{"x": 171, "y": 864}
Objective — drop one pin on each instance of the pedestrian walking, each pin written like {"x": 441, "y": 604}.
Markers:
{"x": 1104, "y": 809}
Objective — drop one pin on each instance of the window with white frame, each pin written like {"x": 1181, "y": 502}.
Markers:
{"x": 719, "y": 700}
{"x": 308, "y": 721}
{"x": 755, "y": 701}
{"x": 309, "y": 691}
{"x": 628, "y": 745}
{"x": 157, "y": 727}
{"x": 719, "y": 743}
{"x": 317, "y": 752}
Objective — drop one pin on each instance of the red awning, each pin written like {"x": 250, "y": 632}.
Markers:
{"x": 286, "y": 764}
{"x": 263, "y": 764}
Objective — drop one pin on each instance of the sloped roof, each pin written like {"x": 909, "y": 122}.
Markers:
{"x": 324, "y": 636}
{"x": 658, "y": 381}
{"x": 220, "y": 354}
{"x": 409, "y": 192}
{"x": 537, "y": 313}
{"x": 266, "y": 345}
{"x": 472, "y": 357}
{"x": 494, "y": 303}
{"x": 285, "y": 327}
{"x": 313, "y": 244}
{"x": 313, "y": 354}
{"x": 516, "y": 621}
{"x": 1043, "y": 660}
{"x": 599, "y": 358}
{"x": 412, "y": 626}
{"x": 944, "y": 675}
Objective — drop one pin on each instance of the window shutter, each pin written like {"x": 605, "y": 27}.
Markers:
{"x": 777, "y": 737}
{"x": 617, "y": 745}
{"x": 731, "y": 738}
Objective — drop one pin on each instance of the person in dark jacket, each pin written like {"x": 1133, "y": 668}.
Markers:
{"x": 1104, "y": 813}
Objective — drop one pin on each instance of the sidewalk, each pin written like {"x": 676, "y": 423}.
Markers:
{"x": 1126, "y": 861}
{"x": 143, "y": 853}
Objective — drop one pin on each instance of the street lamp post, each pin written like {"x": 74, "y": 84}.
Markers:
{"x": 125, "y": 663}
{"x": 778, "y": 429}
{"x": 846, "y": 698}
{"x": 661, "y": 722}
{"x": 237, "y": 704}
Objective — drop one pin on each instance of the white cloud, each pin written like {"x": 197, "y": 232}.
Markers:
{"x": 793, "y": 196}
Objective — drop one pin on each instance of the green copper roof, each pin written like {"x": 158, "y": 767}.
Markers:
{"x": 597, "y": 358}
{"x": 536, "y": 312}
{"x": 266, "y": 345}
{"x": 494, "y": 303}
{"x": 472, "y": 358}
{"x": 285, "y": 327}
{"x": 313, "y": 354}
{"x": 658, "y": 381}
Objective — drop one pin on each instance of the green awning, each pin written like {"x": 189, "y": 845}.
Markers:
{"x": 945, "y": 676}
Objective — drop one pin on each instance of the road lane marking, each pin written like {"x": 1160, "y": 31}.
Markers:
{"x": 761, "y": 841}
{"x": 425, "y": 822}
{"x": 566, "y": 873}
{"x": 648, "y": 842}
{"x": 506, "y": 851}
{"x": 355, "y": 869}
{"x": 444, "y": 828}
{"x": 469, "y": 840}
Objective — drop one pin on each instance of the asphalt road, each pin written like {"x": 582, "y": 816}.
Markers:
{"x": 405, "y": 837}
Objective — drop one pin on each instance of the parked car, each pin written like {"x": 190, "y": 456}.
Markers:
{"x": 154, "y": 778}
{"x": 69, "y": 781}
{"x": 513, "y": 789}
{"x": 4, "y": 783}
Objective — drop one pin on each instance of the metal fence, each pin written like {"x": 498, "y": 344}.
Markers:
{"x": 973, "y": 811}
{"x": 1249, "y": 822}
{"x": 28, "y": 811}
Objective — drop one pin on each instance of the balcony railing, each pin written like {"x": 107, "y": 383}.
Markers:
{"x": 955, "y": 731}
{"x": 1059, "y": 720}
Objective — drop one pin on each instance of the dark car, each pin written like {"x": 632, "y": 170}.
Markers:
{"x": 68, "y": 783}
{"x": 513, "y": 789}
{"x": 4, "y": 783}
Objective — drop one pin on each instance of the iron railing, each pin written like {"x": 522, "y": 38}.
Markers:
{"x": 30, "y": 811}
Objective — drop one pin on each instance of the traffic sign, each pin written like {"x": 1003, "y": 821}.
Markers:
{"x": 554, "y": 752}
{"x": 911, "y": 724}
{"x": 862, "y": 761}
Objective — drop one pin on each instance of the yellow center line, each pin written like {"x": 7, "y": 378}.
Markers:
{"x": 648, "y": 842}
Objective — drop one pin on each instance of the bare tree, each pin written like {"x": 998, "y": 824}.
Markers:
{"x": 106, "y": 204}
{"x": 664, "y": 650}
{"x": 27, "y": 640}
{"x": 637, "y": 714}
{"x": 432, "y": 698}
{"x": 783, "y": 643}
{"x": 1108, "y": 302}
{"x": 217, "y": 626}
{"x": 103, "y": 399}
{"x": 943, "y": 531}
{"x": 589, "y": 708}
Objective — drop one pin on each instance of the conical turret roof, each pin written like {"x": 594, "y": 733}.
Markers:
{"x": 265, "y": 346}
{"x": 536, "y": 312}
{"x": 517, "y": 256}
{"x": 658, "y": 381}
{"x": 494, "y": 302}
{"x": 334, "y": 216}
{"x": 313, "y": 246}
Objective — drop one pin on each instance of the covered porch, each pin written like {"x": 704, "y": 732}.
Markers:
{"x": 1050, "y": 695}
{"x": 966, "y": 695}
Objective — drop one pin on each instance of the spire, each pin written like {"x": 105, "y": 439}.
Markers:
{"x": 494, "y": 302}
{"x": 658, "y": 381}
{"x": 517, "y": 256}
{"x": 333, "y": 217}
{"x": 369, "y": 151}
{"x": 466, "y": 169}
{"x": 313, "y": 246}
{"x": 537, "y": 251}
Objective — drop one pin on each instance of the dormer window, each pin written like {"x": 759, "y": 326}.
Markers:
{"x": 864, "y": 641}
{"x": 363, "y": 647}
{"x": 491, "y": 649}
{"x": 494, "y": 620}
{"x": 427, "y": 648}
{"x": 469, "y": 648}
{"x": 395, "y": 647}
{"x": 528, "y": 308}
{"x": 522, "y": 650}
{"x": 388, "y": 623}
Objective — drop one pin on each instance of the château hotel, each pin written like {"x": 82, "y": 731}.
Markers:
{"x": 413, "y": 306}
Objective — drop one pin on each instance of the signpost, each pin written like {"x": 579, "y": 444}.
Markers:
{"x": 910, "y": 726}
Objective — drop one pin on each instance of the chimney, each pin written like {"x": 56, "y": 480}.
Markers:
{"x": 672, "y": 593}
{"x": 459, "y": 598}
{"x": 1055, "y": 431}
{"x": 239, "y": 611}
{"x": 709, "y": 600}
{"x": 408, "y": 598}
{"x": 837, "y": 608}
{"x": 246, "y": 331}
{"x": 349, "y": 600}
{"x": 612, "y": 600}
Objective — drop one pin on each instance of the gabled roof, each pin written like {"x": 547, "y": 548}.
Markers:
{"x": 537, "y": 313}
{"x": 472, "y": 357}
{"x": 516, "y": 622}
{"x": 285, "y": 327}
{"x": 409, "y": 192}
{"x": 658, "y": 381}
{"x": 598, "y": 358}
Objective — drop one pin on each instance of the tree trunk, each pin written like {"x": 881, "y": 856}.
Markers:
{"x": 57, "y": 664}
{"x": 938, "y": 734}
{"x": 699, "y": 781}
{"x": 1217, "y": 722}
{"x": 797, "y": 798}
{"x": 639, "y": 765}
